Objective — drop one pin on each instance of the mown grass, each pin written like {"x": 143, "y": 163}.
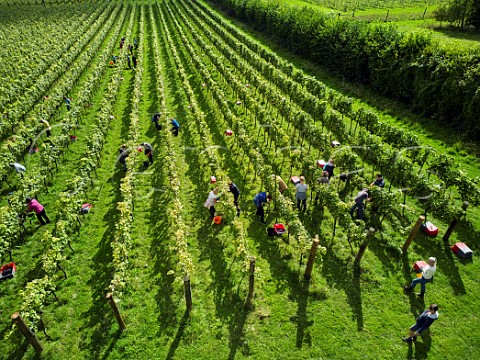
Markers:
{"x": 340, "y": 314}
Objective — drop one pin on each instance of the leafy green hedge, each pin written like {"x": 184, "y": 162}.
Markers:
{"x": 437, "y": 82}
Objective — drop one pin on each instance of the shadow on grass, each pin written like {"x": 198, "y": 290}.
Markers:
{"x": 466, "y": 232}
{"x": 129, "y": 77}
{"x": 417, "y": 305}
{"x": 436, "y": 247}
{"x": 456, "y": 33}
{"x": 227, "y": 298}
{"x": 287, "y": 280}
{"x": 386, "y": 253}
{"x": 161, "y": 255}
{"x": 99, "y": 316}
{"x": 339, "y": 273}
{"x": 17, "y": 341}
{"x": 152, "y": 88}
{"x": 178, "y": 336}
{"x": 228, "y": 301}
{"x": 421, "y": 346}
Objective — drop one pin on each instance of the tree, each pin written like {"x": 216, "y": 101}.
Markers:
{"x": 460, "y": 13}
{"x": 474, "y": 14}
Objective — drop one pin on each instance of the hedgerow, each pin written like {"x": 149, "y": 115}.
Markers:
{"x": 437, "y": 81}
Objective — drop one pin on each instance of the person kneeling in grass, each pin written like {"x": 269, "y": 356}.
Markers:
{"x": 423, "y": 323}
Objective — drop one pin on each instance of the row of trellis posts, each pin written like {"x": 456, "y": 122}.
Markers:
{"x": 33, "y": 339}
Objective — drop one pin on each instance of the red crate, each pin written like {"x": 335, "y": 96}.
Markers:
{"x": 462, "y": 250}
{"x": 295, "y": 180}
{"x": 419, "y": 265}
{"x": 430, "y": 229}
{"x": 279, "y": 229}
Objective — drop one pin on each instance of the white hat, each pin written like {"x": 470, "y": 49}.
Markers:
{"x": 432, "y": 259}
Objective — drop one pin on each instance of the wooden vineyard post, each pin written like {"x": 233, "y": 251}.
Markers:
{"x": 311, "y": 259}
{"x": 114, "y": 307}
{"x": 188, "y": 293}
{"x": 251, "y": 281}
{"x": 454, "y": 222}
{"x": 414, "y": 231}
{"x": 362, "y": 248}
{"x": 30, "y": 335}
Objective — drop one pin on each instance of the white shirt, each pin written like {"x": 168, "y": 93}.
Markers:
{"x": 428, "y": 271}
{"x": 19, "y": 167}
{"x": 211, "y": 199}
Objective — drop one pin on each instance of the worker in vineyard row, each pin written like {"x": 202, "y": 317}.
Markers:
{"x": 19, "y": 168}
{"x": 212, "y": 200}
{"x": 328, "y": 167}
{"x": 123, "y": 155}
{"x": 156, "y": 119}
{"x": 361, "y": 197}
{"x": 68, "y": 102}
{"x": 301, "y": 194}
{"x": 148, "y": 149}
{"x": 47, "y": 127}
{"x": 427, "y": 276}
{"x": 236, "y": 193}
{"x": 379, "y": 181}
{"x": 134, "y": 60}
{"x": 324, "y": 179}
{"x": 422, "y": 323}
{"x": 129, "y": 61}
{"x": 260, "y": 199}
{"x": 34, "y": 205}
{"x": 175, "y": 126}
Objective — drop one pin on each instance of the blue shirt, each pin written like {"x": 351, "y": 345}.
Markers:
{"x": 175, "y": 124}
{"x": 379, "y": 183}
{"x": 260, "y": 198}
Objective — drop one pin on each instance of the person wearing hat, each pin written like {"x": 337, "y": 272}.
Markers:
{"x": 359, "y": 199}
{"x": 427, "y": 276}
{"x": 301, "y": 193}
{"x": 34, "y": 205}
{"x": 422, "y": 323}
